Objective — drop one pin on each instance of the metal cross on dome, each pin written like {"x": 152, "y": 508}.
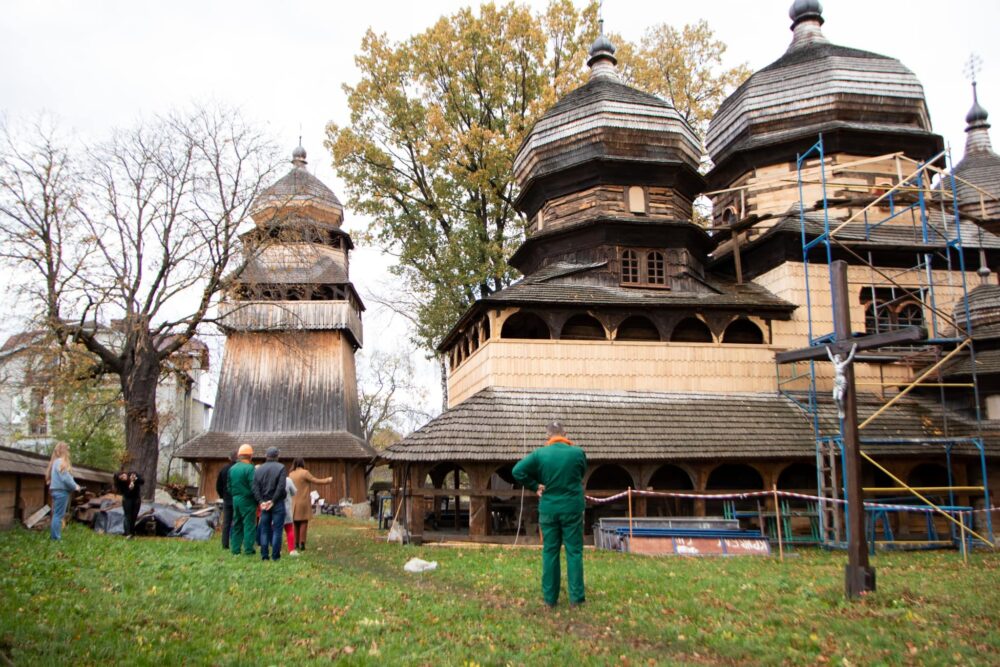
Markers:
{"x": 973, "y": 66}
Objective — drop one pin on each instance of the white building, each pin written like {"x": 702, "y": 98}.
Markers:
{"x": 26, "y": 404}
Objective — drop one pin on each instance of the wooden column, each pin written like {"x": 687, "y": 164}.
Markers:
{"x": 859, "y": 577}
{"x": 414, "y": 506}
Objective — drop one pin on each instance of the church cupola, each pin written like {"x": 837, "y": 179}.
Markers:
{"x": 979, "y": 167}
{"x": 864, "y": 104}
{"x": 607, "y": 150}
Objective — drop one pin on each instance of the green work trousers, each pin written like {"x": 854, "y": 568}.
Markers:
{"x": 559, "y": 528}
{"x": 244, "y": 530}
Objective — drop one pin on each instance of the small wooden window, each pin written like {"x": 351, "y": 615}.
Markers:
{"x": 656, "y": 268}
{"x": 630, "y": 267}
{"x": 636, "y": 197}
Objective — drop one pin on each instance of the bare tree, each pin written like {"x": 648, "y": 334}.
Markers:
{"x": 387, "y": 393}
{"x": 140, "y": 230}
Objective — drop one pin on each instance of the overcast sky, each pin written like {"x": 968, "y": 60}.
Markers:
{"x": 101, "y": 64}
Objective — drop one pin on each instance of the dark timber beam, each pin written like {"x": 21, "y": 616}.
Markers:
{"x": 843, "y": 347}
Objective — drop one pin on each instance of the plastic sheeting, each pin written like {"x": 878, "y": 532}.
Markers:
{"x": 164, "y": 520}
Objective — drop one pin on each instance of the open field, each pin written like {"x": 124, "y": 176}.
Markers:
{"x": 97, "y": 599}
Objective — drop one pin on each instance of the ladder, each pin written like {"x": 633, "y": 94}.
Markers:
{"x": 831, "y": 513}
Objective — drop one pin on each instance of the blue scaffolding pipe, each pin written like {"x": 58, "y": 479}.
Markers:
{"x": 929, "y": 234}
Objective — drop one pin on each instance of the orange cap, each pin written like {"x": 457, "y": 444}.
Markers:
{"x": 245, "y": 450}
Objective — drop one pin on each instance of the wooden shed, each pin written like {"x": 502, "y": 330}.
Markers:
{"x": 22, "y": 483}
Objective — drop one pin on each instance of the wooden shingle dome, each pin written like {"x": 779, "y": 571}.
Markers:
{"x": 863, "y": 103}
{"x": 980, "y": 166}
{"x": 606, "y": 130}
{"x": 298, "y": 194}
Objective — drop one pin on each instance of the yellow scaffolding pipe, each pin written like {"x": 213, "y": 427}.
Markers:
{"x": 961, "y": 525}
{"x": 892, "y": 489}
{"x": 914, "y": 384}
{"x": 885, "y": 194}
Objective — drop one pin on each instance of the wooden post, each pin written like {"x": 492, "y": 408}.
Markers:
{"x": 961, "y": 535}
{"x": 859, "y": 577}
{"x": 630, "y": 517}
{"x": 777, "y": 521}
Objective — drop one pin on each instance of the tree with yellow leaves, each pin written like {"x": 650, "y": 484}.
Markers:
{"x": 437, "y": 119}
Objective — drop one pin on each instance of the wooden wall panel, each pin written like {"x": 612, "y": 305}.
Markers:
{"x": 356, "y": 482}
{"x": 34, "y": 495}
{"x": 615, "y": 366}
{"x": 286, "y": 382}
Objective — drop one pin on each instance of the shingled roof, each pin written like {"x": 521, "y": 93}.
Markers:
{"x": 817, "y": 86}
{"x": 545, "y": 286}
{"x": 499, "y": 424}
{"x": 940, "y": 229}
{"x": 335, "y": 445}
{"x": 19, "y": 462}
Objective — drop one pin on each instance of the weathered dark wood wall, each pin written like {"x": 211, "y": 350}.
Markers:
{"x": 290, "y": 382}
{"x": 348, "y": 479}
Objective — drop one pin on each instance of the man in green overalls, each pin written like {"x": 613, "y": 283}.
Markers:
{"x": 555, "y": 472}
{"x": 244, "y": 529}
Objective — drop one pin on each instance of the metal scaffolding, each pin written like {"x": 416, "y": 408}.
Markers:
{"x": 913, "y": 198}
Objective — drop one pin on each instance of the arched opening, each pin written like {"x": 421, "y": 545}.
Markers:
{"x": 507, "y": 504}
{"x": 525, "y": 325}
{"x": 799, "y": 477}
{"x": 742, "y": 330}
{"x": 450, "y": 511}
{"x": 670, "y": 478}
{"x": 582, "y": 327}
{"x": 729, "y": 216}
{"x": 691, "y": 330}
{"x": 878, "y": 318}
{"x": 733, "y": 478}
{"x": 486, "y": 328}
{"x": 911, "y": 314}
{"x": 801, "y": 517}
{"x": 928, "y": 474}
{"x": 637, "y": 328}
{"x": 607, "y": 480}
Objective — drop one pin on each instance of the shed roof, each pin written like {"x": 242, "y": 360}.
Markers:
{"x": 547, "y": 286}
{"x": 308, "y": 445}
{"x": 499, "y": 424}
{"x": 19, "y": 462}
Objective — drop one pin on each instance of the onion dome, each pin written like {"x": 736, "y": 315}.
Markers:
{"x": 863, "y": 103}
{"x": 984, "y": 311}
{"x": 298, "y": 194}
{"x": 605, "y": 132}
{"x": 981, "y": 167}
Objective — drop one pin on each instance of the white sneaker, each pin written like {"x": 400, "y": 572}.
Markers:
{"x": 294, "y": 553}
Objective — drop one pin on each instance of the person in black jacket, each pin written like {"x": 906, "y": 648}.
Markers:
{"x": 269, "y": 491}
{"x": 222, "y": 488}
{"x": 129, "y": 484}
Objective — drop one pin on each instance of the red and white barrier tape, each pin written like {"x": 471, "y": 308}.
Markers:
{"x": 765, "y": 494}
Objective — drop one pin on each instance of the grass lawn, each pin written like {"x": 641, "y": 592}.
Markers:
{"x": 96, "y": 599}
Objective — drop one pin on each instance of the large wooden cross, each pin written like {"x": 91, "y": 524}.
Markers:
{"x": 859, "y": 576}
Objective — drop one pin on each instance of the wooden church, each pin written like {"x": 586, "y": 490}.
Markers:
{"x": 653, "y": 337}
{"x": 293, "y": 323}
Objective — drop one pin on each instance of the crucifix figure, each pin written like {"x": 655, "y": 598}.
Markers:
{"x": 840, "y": 376}
{"x": 859, "y": 577}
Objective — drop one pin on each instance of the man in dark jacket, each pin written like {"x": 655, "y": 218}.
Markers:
{"x": 129, "y": 485}
{"x": 269, "y": 491}
{"x": 555, "y": 472}
{"x": 222, "y": 489}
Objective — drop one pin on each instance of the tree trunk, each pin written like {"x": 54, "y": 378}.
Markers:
{"x": 443, "y": 364}
{"x": 142, "y": 440}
